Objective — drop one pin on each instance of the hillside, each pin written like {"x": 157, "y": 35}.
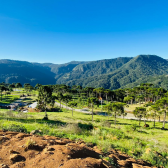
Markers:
{"x": 24, "y": 72}
{"x": 94, "y": 68}
{"x": 142, "y": 66}
{"x": 12, "y": 71}
{"x": 109, "y": 73}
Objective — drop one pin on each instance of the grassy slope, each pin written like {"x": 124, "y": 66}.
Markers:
{"x": 105, "y": 134}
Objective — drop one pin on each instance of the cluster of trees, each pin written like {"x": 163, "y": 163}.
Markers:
{"x": 115, "y": 100}
{"x": 157, "y": 99}
{"x": 7, "y": 88}
{"x": 160, "y": 107}
{"x": 46, "y": 97}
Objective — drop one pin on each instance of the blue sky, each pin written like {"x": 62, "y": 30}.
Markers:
{"x": 60, "y": 31}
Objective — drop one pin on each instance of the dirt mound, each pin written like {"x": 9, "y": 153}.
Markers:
{"x": 19, "y": 150}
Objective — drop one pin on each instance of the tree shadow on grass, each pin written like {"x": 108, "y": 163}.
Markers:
{"x": 159, "y": 128}
{"x": 118, "y": 123}
{"x": 27, "y": 99}
{"x": 144, "y": 132}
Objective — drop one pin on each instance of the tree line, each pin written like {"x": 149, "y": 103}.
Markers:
{"x": 115, "y": 100}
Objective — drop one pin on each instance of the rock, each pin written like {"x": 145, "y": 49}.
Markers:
{"x": 22, "y": 135}
{"x": 3, "y": 166}
{"x": 124, "y": 163}
{"x": 139, "y": 166}
{"x": 3, "y": 139}
{"x": 49, "y": 149}
{"x": 35, "y": 132}
{"x": 136, "y": 165}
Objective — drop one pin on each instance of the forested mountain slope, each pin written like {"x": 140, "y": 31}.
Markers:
{"x": 13, "y": 71}
{"x": 139, "y": 67}
{"x": 21, "y": 71}
{"x": 109, "y": 73}
{"x": 94, "y": 68}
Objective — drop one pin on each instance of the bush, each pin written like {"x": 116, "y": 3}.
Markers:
{"x": 97, "y": 120}
{"x": 85, "y": 126}
{"x": 118, "y": 133}
{"x": 14, "y": 128}
{"x": 106, "y": 124}
{"x": 72, "y": 129}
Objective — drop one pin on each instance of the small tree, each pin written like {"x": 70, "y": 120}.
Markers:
{"x": 52, "y": 103}
{"x": 163, "y": 104}
{"x": 154, "y": 110}
{"x": 18, "y": 85}
{"x": 118, "y": 109}
{"x": 109, "y": 109}
{"x": 2, "y": 88}
{"x": 139, "y": 112}
{"x": 107, "y": 92}
{"x": 67, "y": 98}
{"x": 128, "y": 99}
{"x": 60, "y": 97}
{"x": 91, "y": 101}
{"x": 28, "y": 87}
{"x": 72, "y": 104}
{"x": 44, "y": 98}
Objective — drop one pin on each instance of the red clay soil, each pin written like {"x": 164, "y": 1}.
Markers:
{"x": 19, "y": 150}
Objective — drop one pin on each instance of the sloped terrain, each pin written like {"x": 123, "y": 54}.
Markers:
{"x": 94, "y": 68}
{"x": 140, "y": 67}
{"x": 109, "y": 73}
{"x": 19, "y": 150}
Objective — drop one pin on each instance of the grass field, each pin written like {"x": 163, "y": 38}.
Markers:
{"x": 141, "y": 143}
{"x": 7, "y": 99}
{"x": 149, "y": 144}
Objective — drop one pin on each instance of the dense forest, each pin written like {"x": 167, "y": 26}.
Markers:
{"x": 112, "y": 74}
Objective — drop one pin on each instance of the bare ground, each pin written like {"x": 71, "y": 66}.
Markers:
{"x": 19, "y": 150}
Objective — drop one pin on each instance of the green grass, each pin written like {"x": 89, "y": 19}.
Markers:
{"x": 126, "y": 136}
{"x": 7, "y": 99}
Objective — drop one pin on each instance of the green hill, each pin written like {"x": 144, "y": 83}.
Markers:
{"x": 140, "y": 67}
{"x": 109, "y": 73}
{"x": 94, "y": 68}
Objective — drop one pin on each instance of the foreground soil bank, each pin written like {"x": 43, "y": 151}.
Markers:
{"x": 19, "y": 150}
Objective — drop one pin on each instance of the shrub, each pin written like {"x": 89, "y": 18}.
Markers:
{"x": 14, "y": 128}
{"x": 106, "y": 124}
{"x": 105, "y": 146}
{"x": 97, "y": 120}
{"x": 72, "y": 129}
{"x": 85, "y": 126}
{"x": 29, "y": 143}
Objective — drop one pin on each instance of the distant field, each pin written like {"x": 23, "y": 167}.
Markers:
{"x": 7, "y": 99}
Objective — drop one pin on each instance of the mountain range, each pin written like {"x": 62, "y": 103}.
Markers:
{"x": 115, "y": 73}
